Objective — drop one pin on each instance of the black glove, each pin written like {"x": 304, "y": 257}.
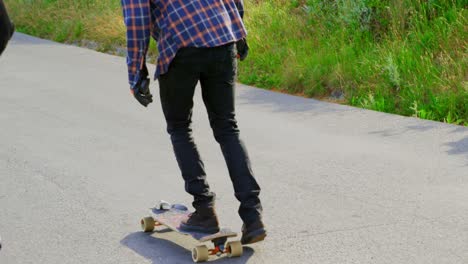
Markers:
{"x": 142, "y": 92}
{"x": 242, "y": 49}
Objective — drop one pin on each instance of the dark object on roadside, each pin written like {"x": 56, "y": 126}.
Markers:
{"x": 242, "y": 49}
{"x": 6, "y": 27}
{"x": 142, "y": 92}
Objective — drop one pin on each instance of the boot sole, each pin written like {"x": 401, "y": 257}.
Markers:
{"x": 186, "y": 228}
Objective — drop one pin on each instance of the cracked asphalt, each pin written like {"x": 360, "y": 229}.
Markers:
{"x": 81, "y": 162}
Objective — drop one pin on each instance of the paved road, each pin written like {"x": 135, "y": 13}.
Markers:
{"x": 81, "y": 161}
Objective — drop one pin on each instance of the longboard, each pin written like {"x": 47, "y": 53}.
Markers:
{"x": 171, "y": 216}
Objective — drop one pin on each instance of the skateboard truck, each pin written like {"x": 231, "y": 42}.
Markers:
{"x": 231, "y": 249}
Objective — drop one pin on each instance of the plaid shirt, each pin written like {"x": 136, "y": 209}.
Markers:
{"x": 175, "y": 24}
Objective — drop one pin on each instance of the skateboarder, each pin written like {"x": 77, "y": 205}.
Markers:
{"x": 198, "y": 40}
{"x": 6, "y": 27}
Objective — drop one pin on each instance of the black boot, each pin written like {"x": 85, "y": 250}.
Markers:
{"x": 203, "y": 220}
{"x": 253, "y": 232}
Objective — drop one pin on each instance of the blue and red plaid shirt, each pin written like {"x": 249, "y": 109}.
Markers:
{"x": 175, "y": 24}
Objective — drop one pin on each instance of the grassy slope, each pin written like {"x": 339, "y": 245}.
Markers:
{"x": 400, "y": 56}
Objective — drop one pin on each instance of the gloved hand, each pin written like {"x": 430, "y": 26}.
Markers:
{"x": 242, "y": 49}
{"x": 6, "y": 27}
{"x": 12, "y": 29}
{"x": 142, "y": 93}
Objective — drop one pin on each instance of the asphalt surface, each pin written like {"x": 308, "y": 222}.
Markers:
{"x": 81, "y": 162}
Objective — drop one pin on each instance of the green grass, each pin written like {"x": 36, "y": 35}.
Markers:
{"x": 71, "y": 21}
{"x": 407, "y": 57}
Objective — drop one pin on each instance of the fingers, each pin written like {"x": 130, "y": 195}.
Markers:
{"x": 242, "y": 49}
{"x": 142, "y": 92}
{"x": 144, "y": 99}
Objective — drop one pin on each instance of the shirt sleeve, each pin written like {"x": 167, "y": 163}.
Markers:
{"x": 240, "y": 7}
{"x": 137, "y": 18}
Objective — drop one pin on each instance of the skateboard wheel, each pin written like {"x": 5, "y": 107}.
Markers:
{"x": 234, "y": 249}
{"x": 200, "y": 254}
{"x": 147, "y": 224}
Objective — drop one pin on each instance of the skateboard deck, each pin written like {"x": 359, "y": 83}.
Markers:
{"x": 171, "y": 216}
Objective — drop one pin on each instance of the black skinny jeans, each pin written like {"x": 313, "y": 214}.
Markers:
{"x": 216, "y": 69}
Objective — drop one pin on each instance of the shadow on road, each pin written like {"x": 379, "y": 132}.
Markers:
{"x": 458, "y": 147}
{"x": 23, "y": 39}
{"x": 160, "y": 250}
{"x": 285, "y": 102}
{"x": 400, "y": 131}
